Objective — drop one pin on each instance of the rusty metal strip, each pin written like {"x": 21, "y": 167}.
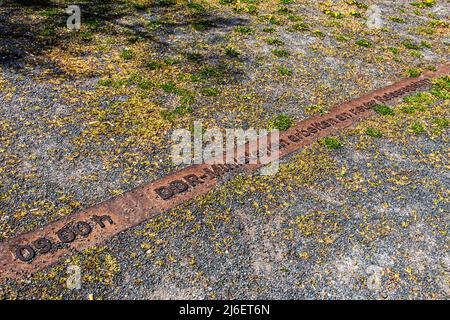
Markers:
{"x": 27, "y": 253}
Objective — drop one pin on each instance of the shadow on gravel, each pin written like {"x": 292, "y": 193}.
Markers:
{"x": 27, "y": 28}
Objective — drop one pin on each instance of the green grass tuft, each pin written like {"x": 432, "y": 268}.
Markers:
{"x": 417, "y": 128}
{"x": 280, "y": 52}
{"x": 383, "y": 110}
{"x": 126, "y": 54}
{"x": 413, "y": 73}
{"x": 375, "y": 133}
{"x": 364, "y": 43}
{"x": 231, "y": 52}
{"x": 282, "y": 122}
{"x": 285, "y": 71}
{"x": 210, "y": 92}
{"x": 332, "y": 143}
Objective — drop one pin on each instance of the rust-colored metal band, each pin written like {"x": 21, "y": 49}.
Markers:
{"x": 42, "y": 247}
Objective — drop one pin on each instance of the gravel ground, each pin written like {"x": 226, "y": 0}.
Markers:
{"x": 87, "y": 115}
